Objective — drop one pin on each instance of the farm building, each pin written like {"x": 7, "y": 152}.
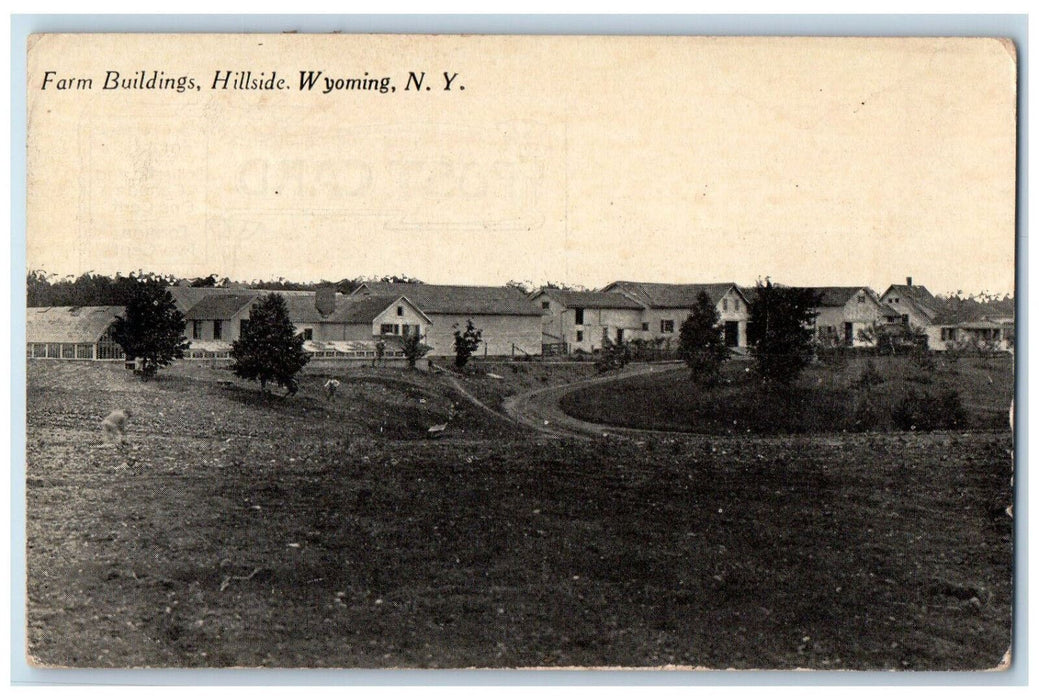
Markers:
{"x": 213, "y": 314}
{"x": 510, "y": 322}
{"x": 338, "y": 317}
{"x": 666, "y": 306}
{"x": 218, "y": 317}
{"x": 972, "y": 325}
{"x": 72, "y": 333}
{"x": 916, "y": 306}
{"x": 851, "y": 314}
{"x": 583, "y": 320}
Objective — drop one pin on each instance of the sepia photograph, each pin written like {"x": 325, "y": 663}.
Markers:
{"x": 399, "y": 351}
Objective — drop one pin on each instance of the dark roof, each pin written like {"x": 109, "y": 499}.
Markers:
{"x": 456, "y": 299}
{"x": 839, "y": 296}
{"x": 68, "y": 324}
{"x": 188, "y": 297}
{"x": 916, "y": 292}
{"x": 916, "y": 297}
{"x": 592, "y": 300}
{"x": 672, "y": 296}
{"x": 219, "y": 306}
{"x": 221, "y": 303}
{"x": 349, "y": 309}
{"x": 957, "y": 311}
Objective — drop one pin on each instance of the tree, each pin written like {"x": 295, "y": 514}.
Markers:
{"x": 151, "y": 327}
{"x": 612, "y": 356}
{"x": 700, "y": 341}
{"x": 414, "y": 349}
{"x": 779, "y": 330}
{"x": 466, "y": 343}
{"x": 269, "y": 348}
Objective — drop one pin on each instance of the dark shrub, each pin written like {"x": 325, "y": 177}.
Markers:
{"x": 870, "y": 377}
{"x": 867, "y": 415}
{"x": 928, "y": 411}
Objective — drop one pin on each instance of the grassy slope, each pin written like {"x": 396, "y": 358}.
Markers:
{"x": 822, "y": 400}
{"x": 493, "y": 549}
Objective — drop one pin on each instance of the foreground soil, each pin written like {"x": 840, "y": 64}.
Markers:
{"x": 239, "y": 531}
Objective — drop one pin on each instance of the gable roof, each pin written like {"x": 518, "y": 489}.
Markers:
{"x": 68, "y": 324}
{"x": 349, "y": 309}
{"x": 187, "y": 297}
{"x": 915, "y": 297}
{"x": 219, "y": 306}
{"x": 839, "y": 296}
{"x": 222, "y": 303}
{"x": 672, "y": 296}
{"x": 456, "y": 299}
{"x": 915, "y": 292}
{"x": 590, "y": 300}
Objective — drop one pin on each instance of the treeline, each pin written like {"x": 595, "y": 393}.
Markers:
{"x": 91, "y": 289}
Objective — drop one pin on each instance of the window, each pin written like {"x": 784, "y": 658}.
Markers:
{"x": 862, "y": 298}
{"x": 196, "y": 330}
{"x": 389, "y": 329}
{"x": 242, "y": 326}
{"x": 725, "y": 304}
{"x": 736, "y": 304}
{"x": 667, "y": 325}
{"x": 307, "y": 333}
{"x": 645, "y": 326}
{"x": 579, "y": 317}
{"x": 895, "y": 300}
{"x": 218, "y": 330}
{"x": 580, "y": 336}
{"x": 544, "y": 305}
{"x": 68, "y": 351}
{"x": 400, "y": 310}
{"x": 948, "y": 334}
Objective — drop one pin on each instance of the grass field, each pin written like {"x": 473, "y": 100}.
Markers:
{"x": 242, "y": 532}
{"x": 822, "y": 400}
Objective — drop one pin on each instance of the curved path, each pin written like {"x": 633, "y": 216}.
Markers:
{"x": 540, "y": 409}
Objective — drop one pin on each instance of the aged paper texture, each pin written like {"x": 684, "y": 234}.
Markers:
{"x": 523, "y": 510}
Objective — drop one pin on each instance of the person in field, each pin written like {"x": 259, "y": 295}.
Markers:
{"x": 330, "y": 389}
{"x": 114, "y": 426}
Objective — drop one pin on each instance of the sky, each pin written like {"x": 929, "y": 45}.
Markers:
{"x": 578, "y": 159}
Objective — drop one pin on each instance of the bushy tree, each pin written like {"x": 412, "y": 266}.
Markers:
{"x": 779, "y": 331}
{"x": 414, "y": 349}
{"x": 151, "y": 328}
{"x": 612, "y": 356}
{"x": 700, "y": 342}
{"x": 466, "y": 343}
{"x": 269, "y": 350}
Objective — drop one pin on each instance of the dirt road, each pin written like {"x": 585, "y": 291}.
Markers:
{"x": 540, "y": 409}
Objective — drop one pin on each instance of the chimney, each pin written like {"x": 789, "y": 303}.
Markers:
{"x": 325, "y": 300}
{"x": 909, "y": 281}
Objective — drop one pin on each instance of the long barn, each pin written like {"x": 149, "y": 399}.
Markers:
{"x": 510, "y": 322}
